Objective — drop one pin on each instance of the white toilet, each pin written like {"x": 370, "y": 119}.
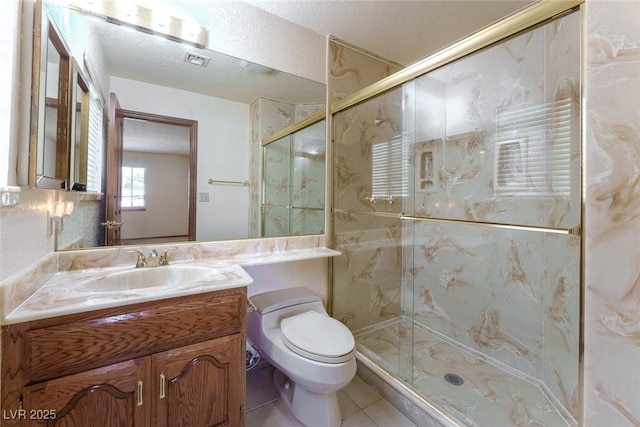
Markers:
{"x": 314, "y": 354}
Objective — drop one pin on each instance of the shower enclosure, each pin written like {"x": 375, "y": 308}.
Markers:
{"x": 293, "y": 181}
{"x": 457, "y": 209}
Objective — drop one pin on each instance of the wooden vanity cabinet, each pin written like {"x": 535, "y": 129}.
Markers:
{"x": 176, "y": 362}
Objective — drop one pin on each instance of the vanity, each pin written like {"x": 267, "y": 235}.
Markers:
{"x": 173, "y": 361}
{"x": 86, "y": 335}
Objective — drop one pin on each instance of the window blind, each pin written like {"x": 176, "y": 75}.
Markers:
{"x": 390, "y": 169}
{"x": 96, "y": 144}
{"x": 533, "y": 149}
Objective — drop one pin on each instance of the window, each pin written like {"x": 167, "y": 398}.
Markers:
{"x": 390, "y": 169}
{"x": 533, "y": 149}
{"x": 133, "y": 188}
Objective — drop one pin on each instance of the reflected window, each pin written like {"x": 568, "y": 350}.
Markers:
{"x": 133, "y": 188}
{"x": 95, "y": 146}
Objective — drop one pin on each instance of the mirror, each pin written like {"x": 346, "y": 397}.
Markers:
{"x": 294, "y": 182}
{"x": 80, "y": 129}
{"x": 235, "y": 103}
{"x": 50, "y": 128}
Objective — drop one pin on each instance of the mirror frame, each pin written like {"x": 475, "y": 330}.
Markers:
{"x": 79, "y": 151}
{"x": 44, "y": 30}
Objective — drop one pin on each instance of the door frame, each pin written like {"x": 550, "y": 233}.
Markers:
{"x": 113, "y": 172}
{"x": 193, "y": 155}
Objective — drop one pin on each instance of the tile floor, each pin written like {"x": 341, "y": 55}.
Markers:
{"x": 360, "y": 404}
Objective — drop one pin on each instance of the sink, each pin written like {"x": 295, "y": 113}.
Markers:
{"x": 149, "y": 277}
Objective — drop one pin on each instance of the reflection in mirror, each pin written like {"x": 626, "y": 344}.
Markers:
{"x": 157, "y": 199}
{"x": 47, "y": 145}
{"x": 80, "y": 127}
{"x": 235, "y": 103}
{"x": 293, "y": 183}
{"x": 51, "y": 89}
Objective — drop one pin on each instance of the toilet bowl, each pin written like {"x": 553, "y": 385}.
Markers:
{"x": 314, "y": 354}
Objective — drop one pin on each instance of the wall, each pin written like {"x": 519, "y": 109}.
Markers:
{"x": 167, "y": 195}
{"x": 223, "y": 150}
{"x": 612, "y": 259}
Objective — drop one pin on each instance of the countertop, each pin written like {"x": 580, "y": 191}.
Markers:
{"x": 69, "y": 292}
{"x": 65, "y": 282}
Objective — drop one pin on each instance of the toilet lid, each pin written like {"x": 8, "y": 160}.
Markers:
{"x": 317, "y": 337}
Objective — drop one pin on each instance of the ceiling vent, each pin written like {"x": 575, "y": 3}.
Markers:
{"x": 195, "y": 59}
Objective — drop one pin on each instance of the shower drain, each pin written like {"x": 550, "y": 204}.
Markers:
{"x": 454, "y": 379}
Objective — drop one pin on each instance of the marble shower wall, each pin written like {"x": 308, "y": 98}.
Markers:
{"x": 513, "y": 295}
{"x": 501, "y": 143}
{"x": 367, "y": 277}
{"x": 612, "y": 247}
{"x": 352, "y": 68}
{"x": 492, "y": 138}
{"x": 497, "y": 139}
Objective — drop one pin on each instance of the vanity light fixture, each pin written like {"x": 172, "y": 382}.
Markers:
{"x": 195, "y": 59}
{"x": 154, "y": 22}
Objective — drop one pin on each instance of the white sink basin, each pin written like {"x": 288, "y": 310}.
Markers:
{"x": 148, "y": 277}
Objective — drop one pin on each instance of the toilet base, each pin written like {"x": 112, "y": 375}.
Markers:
{"x": 311, "y": 409}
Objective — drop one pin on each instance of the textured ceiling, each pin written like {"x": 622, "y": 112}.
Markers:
{"x": 138, "y": 56}
{"x": 402, "y": 31}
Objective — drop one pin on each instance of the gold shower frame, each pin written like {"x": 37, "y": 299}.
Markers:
{"x": 527, "y": 18}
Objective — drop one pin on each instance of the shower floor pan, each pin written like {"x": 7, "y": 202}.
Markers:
{"x": 477, "y": 393}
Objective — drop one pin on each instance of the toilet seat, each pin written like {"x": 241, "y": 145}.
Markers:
{"x": 317, "y": 337}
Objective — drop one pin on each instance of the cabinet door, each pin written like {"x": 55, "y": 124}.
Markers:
{"x": 112, "y": 396}
{"x": 201, "y": 385}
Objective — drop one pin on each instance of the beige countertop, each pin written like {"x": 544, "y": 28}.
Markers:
{"x": 69, "y": 292}
{"x": 75, "y": 282}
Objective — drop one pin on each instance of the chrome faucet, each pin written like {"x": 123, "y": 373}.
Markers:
{"x": 153, "y": 260}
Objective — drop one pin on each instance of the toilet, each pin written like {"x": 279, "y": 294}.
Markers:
{"x": 314, "y": 354}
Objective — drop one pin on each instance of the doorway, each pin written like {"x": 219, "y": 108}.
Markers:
{"x": 157, "y": 178}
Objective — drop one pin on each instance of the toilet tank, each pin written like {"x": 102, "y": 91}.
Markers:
{"x": 280, "y": 300}
{"x": 269, "y": 308}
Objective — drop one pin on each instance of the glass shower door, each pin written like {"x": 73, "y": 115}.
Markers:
{"x": 371, "y": 187}
{"x": 277, "y": 188}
